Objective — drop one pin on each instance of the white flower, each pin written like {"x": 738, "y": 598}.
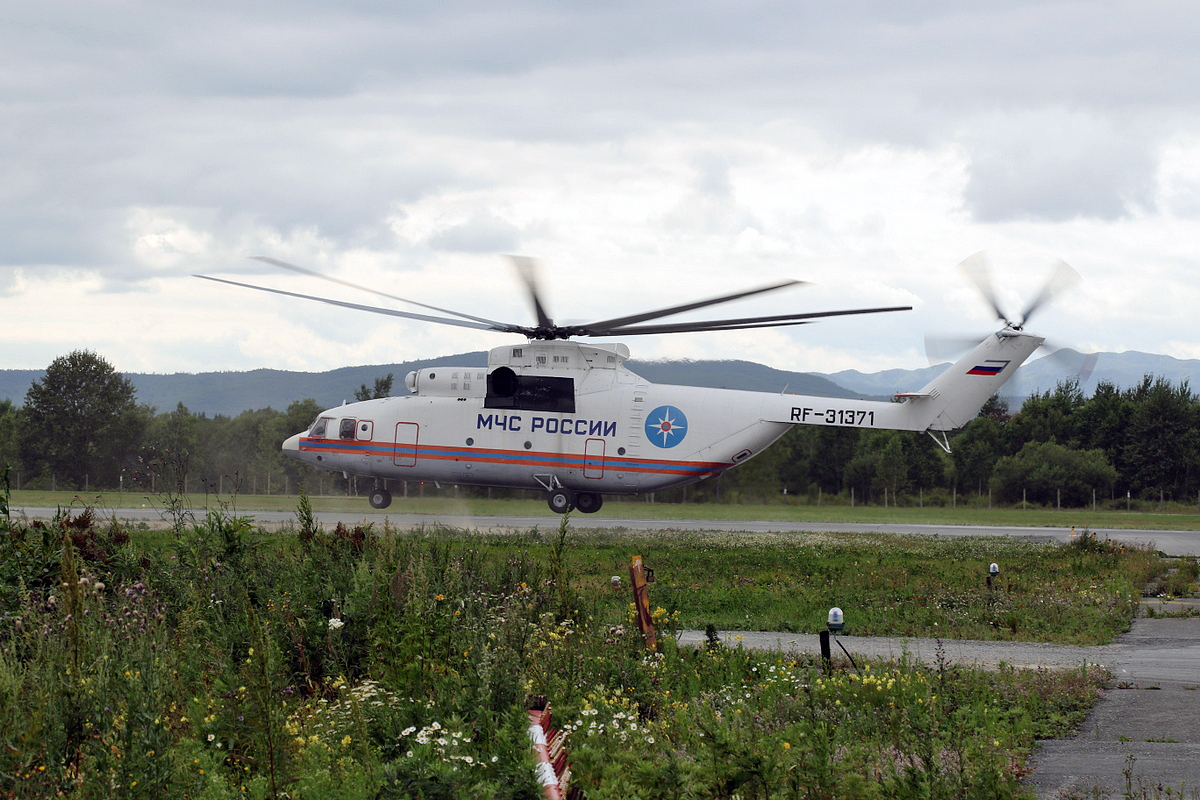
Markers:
{"x": 211, "y": 737}
{"x": 335, "y": 624}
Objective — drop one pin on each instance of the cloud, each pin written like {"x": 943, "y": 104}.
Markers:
{"x": 483, "y": 233}
{"x": 1055, "y": 165}
{"x": 648, "y": 152}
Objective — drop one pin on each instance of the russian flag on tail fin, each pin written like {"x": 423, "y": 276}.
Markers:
{"x": 990, "y": 367}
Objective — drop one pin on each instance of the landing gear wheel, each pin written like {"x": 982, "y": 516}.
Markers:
{"x": 379, "y": 498}
{"x": 588, "y": 502}
{"x": 561, "y": 501}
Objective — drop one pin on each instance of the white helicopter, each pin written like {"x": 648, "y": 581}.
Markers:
{"x": 570, "y": 419}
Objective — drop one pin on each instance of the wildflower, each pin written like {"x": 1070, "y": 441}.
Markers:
{"x": 212, "y": 736}
{"x": 346, "y": 740}
{"x": 335, "y": 624}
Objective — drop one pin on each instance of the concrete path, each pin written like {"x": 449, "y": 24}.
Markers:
{"x": 1148, "y": 723}
{"x": 1144, "y": 735}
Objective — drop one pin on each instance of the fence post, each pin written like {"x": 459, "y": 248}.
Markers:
{"x": 641, "y": 600}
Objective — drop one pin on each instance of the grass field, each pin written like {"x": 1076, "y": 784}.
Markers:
{"x": 1176, "y": 518}
{"x": 222, "y": 660}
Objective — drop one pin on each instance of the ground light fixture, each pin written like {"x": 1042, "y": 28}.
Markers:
{"x": 837, "y": 620}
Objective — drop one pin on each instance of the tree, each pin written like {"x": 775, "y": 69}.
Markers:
{"x": 1048, "y": 417}
{"x": 9, "y": 427}
{"x": 171, "y": 442}
{"x": 1043, "y": 470}
{"x": 1163, "y": 443}
{"x": 383, "y": 388}
{"x": 81, "y": 421}
{"x": 975, "y": 451}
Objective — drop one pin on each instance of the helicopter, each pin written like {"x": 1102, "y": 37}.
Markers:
{"x": 569, "y": 419}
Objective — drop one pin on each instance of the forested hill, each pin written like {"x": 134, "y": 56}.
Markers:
{"x": 231, "y": 393}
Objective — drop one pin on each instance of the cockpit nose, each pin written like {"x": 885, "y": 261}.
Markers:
{"x": 291, "y": 445}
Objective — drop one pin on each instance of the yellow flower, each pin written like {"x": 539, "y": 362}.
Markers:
{"x": 787, "y": 745}
{"x": 346, "y": 740}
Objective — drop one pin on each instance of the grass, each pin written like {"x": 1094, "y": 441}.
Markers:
{"x": 1177, "y": 518}
{"x": 221, "y": 660}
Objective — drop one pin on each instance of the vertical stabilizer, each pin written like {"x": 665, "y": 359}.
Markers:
{"x": 955, "y": 396}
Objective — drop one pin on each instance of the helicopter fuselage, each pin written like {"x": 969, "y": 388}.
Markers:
{"x": 570, "y": 418}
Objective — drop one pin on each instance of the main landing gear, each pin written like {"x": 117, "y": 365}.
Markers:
{"x": 561, "y": 501}
{"x": 379, "y": 497}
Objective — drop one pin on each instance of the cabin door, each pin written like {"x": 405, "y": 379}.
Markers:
{"x": 593, "y": 458}
{"x": 405, "y": 452}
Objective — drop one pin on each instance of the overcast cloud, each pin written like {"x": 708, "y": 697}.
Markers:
{"x": 648, "y": 153}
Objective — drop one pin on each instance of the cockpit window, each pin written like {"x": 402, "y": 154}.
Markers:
{"x": 317, "y": 431}
{"x": 346, "y": 429}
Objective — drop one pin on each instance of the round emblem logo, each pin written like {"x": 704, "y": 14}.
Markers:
{"x": 666, "y": 426}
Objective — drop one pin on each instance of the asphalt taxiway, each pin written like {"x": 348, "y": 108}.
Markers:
{"x": 1173, "y": 543}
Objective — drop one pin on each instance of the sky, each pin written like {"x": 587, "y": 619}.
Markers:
{"x": 646, "y": 154}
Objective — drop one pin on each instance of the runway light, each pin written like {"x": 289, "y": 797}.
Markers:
{"x": 836, "y": 621}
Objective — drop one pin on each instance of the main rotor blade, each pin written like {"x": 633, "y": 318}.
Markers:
{"x": 977, "y": 269}
{"x": 391, "y": 312}
{"x": 527, "y": 270}
{"x": 331, "y": 279}
{"x": 604, "y": 326}
{"x": 1062, "y": 278}
{"x": 742, "y": 323}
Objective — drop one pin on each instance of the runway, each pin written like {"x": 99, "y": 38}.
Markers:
{"x": 1172, "y": 543}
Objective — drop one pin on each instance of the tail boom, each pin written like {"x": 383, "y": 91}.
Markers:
{"x": 949, "y": 401}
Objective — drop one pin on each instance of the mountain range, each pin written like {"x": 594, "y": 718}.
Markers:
{"x": 230, "y": 393}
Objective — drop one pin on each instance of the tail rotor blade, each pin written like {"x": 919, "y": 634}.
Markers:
{"x": 1063, "y": 277}
{"x": 940, "y": 349}
{"x": 978, "y": 269}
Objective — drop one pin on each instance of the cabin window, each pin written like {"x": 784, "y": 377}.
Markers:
{"x": 346, "y": 429}
{"x": 317, "y": 431}
{"x": 506, "y": 389}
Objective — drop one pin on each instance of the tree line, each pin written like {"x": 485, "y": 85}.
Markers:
{"x": 80, "y": 428}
